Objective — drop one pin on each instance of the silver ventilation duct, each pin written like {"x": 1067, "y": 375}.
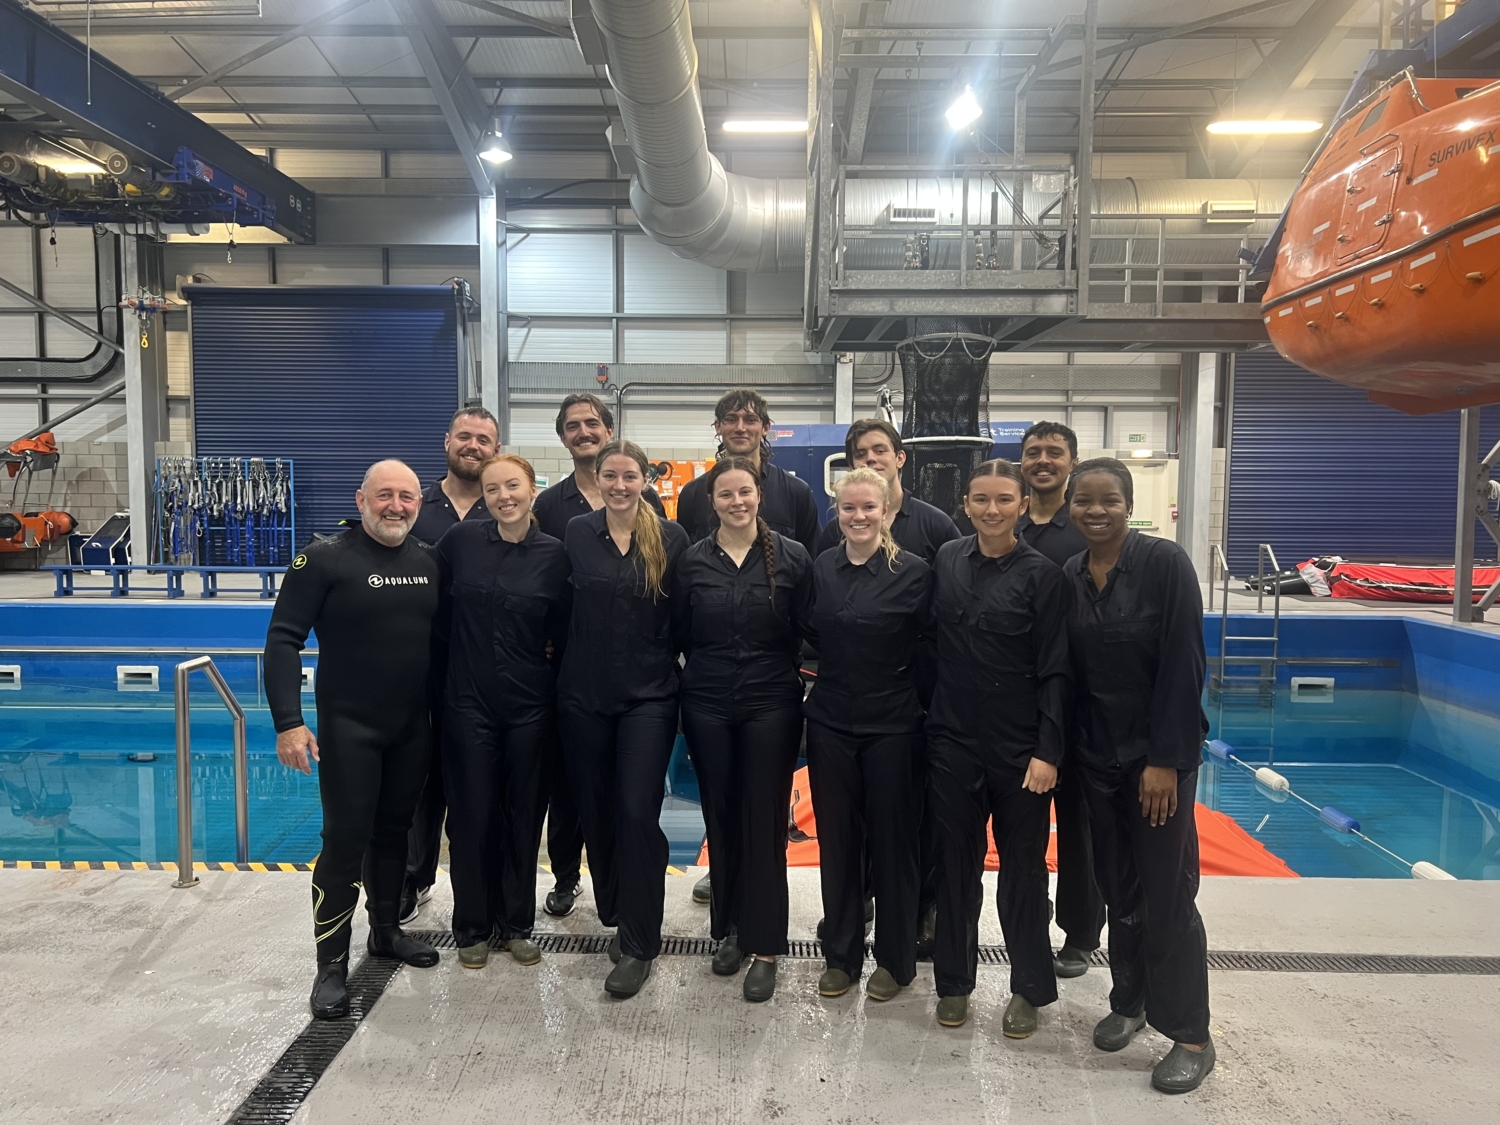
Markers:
{"x": 680, "y": 193}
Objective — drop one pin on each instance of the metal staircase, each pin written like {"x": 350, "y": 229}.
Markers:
{"x": 1251, "y": 669}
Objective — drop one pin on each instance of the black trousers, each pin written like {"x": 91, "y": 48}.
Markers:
{"x": 497, "y": 774}
{"x": 564, "y": 829}
{"x": 865, "y": 790}
{"x": 1158, "y": 950}
{"x": 1080, "y": 905}
{"x": 618, "y": 765}
{"x": 744, "y": 769}
{"x": 369, "y": 778}
{"x": 966, "y": 789}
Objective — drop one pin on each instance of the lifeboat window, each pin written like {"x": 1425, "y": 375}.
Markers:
{"x": 1464, "y": 91}
{"x": 1372, "y": 117}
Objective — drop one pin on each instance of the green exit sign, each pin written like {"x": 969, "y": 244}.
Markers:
{"x": 1135, "y": 439}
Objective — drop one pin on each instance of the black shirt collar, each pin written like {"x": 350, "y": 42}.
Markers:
{"x": 842, "y": 559}
{"x": 569, "y": 487}
{"x": 493, "y": 533}
{"x": 971, "y": 548}
{"x": 1059, "y": 519}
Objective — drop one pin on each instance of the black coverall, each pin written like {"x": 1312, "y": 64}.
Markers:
{"x": 742, "y": 718}
{"x": 1137, "y": 651}
{"x": 556, "y": 505}
{"x": 373, "y": 608}
{"x": 617, "y": 712}
{"x": 864, "y": 751}
{"x": 425, "y": 842}
{"x": 1002, "y": 699}
{"x": 499, "y": 728}
{"x": 1080, "y": 906}
{"x": 786, "y": 504}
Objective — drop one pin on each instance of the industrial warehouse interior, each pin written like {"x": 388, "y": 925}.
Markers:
{"x": 1055, "y": 442}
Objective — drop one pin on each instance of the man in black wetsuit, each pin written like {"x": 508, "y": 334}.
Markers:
{"x": 584, "y": 424}
{"x": 1049, "y": 454}
{"x": 741, "y": 421}
{"x": 473, "y": 437}
{"x": 371, "y": 593}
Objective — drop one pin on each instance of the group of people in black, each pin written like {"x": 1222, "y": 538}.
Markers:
{"x": 525, "y": 656}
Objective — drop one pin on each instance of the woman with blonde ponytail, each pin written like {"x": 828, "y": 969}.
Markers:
{"x": 742, "y": 606}
{"x": 617, "y": 704}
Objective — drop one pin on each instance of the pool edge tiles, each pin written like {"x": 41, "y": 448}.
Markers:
{"x": 141, "y": 865}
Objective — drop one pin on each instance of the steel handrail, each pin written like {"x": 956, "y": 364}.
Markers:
{"x": 185, "y": 874}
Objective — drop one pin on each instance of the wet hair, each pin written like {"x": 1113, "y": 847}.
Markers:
{"x": 870, "y": 426}
{"x": 763, "y": 529}
{"x": 1052, "y": 429}
{"x": 473, "y": 410}
{"x": 510, "y": 459}
{"x": 647, "y": 527}
{"x": 870, "y": 477}
{"x": 999, "y": 467}
{"x": 745, "y": 398}
{"x": 1114, "y": 468}
{"x": 605, "y": 414}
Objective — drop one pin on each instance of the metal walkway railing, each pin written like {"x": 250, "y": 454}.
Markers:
{"x": 185, "y": 874}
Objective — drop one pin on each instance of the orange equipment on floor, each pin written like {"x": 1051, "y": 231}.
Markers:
{"x": 669, "y": 477}
{"x": 1224, "y": 848}
{"x": 1388, "y": 275}
{"x": 21, "y": 530}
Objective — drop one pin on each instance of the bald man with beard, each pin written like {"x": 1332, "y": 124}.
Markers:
{"x": 371, "y": 593}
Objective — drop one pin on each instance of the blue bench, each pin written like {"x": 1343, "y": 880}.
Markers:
{"x": 119, "y": 577}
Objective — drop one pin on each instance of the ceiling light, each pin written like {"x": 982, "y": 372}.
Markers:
{"x": 492, "y": 147}
{"x": 1262, "y": 128}
{"x": 770, "y": 126}
{"x": 1140, "y": 454}
{"x": 964, "y": 111}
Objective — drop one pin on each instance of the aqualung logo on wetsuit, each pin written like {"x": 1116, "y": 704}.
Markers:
{"x": 379, "y": 580}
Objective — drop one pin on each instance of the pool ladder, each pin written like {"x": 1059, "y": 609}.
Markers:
{"x": 1264, "y": 679}
{"x": 185, "y": 874}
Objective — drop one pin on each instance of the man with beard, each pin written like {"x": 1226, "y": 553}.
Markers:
{"x": 584, "y": 424}
{"x": 371, "y": 594}
{"x": 473, "y": 437}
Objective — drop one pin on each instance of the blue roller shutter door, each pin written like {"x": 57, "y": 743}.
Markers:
{"x": 332, "y": 377}
{"x": 1316, "y": 468}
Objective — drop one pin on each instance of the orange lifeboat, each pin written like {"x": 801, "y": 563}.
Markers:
{"x": 1388, "y": 275}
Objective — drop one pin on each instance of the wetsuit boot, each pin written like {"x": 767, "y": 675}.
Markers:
{"x": 390, "y": 941}
{"x": 330, "y": 996}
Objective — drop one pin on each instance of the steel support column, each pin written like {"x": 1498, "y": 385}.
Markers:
{"x": 1463, "y": 539}
{"x": 493, "y": 343}
{"x": 1195, "y": 458}
{"x": 843, "y": 389}
{"x": 145, "y": 393}
{"x": 1086, "y": 149}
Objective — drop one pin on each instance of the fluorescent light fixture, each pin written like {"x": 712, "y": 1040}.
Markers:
{"x": 1252, "y": 128}
{"x": 964, "y": 111}
{"x": 493, "y": 147}
{"x": 764, "y": 126}
{"x": 1140, "y": 454}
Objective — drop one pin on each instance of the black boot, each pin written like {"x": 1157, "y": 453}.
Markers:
{"x": 330, "y": 996}
{"x": 389, "y": 941}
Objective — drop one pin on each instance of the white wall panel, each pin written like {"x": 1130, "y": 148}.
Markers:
{"x": 765, "y": 342}
{"x": 645, "y": 342}
{"x": 562, "y": 342}
{"x": 66, "y": 342}
{"x": 251, "y": 265}
{"x": 773, "y": 292}
{"x": 179, "y": 362}
{"x": 317, "y": 265}
{"x": 17, "y": 336}
{"x": 331, "y": 163}
{"x": 16, "y": 418}
{"x": 572, "y": 274}
{"x": 426, "y": 166}
{"x": 433, "y": 265}
{"x": 105, "y": 422}
{"x": 68, "y": 268}
{"x": 15, "y": 264}
{"x": 1140, "y": 429}
{"x": 1088, "y": 424}
{"x": 657, "y": 281}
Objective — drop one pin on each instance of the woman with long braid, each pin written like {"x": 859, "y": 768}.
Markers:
{"x": 617, "y": 704}
{"x": 743, "y": 598}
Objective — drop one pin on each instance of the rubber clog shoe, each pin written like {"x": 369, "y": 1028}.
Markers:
{"x": 390, "y": 941}
{"x": 330, "y": 994}
{"x": 834, "y": 982}
{"x": 1183, "y": 1070}
{"x": 703, "y": 891}
{"x": 1069, "y": 962}
{"x": 760, "y": 981}
{"x": 1020, "y": 1018}
{"x": 1114, "y": 1031}
{"x": 523, "y": 950}
{"x": 626, "y": 978}
{"x": 728, "y": 958}
{"x": 882, "y": 986}
{"x": 475, "y": 956}
{"x": 953, "y": 1011}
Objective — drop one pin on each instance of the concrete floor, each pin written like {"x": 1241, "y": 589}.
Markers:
{"x": 129, "y": 1002}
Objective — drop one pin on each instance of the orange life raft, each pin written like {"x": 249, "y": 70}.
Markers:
{"x": 1224, "y": 848}
{"x": 1388, "y": 274}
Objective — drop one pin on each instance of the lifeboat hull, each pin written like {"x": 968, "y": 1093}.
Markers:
{"x": 1388, "y": 277}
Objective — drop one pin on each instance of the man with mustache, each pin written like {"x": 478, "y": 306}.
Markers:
{"x": 584, "y": 424}
{"x": 473, "y": 437}
{"x": 371, "y": 594}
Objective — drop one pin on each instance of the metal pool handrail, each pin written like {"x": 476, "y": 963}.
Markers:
{"x": 185, "y": 874}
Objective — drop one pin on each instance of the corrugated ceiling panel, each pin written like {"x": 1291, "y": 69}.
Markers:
{"x": 657, "y": 281}
{"x": 561, "y": 273}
